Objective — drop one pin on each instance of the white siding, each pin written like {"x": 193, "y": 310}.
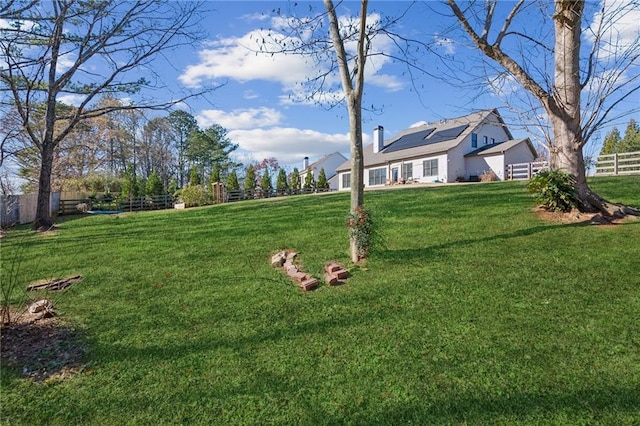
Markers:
{"x": 519, "y": 154}
{"x": 478, "y": 165}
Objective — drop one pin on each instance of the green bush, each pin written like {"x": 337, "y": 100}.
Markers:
{"x": 196, "y": 195}
{"x": 554, "y": 190}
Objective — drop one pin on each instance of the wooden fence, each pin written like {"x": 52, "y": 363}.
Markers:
{"x": 525, "y": 170}
{"x": 623, "y": 163}
{"x": 241, "y": 195}
{"x": 21, "y": 209}
{"x": 157, "y": 202}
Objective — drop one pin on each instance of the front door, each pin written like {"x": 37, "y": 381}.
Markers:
{"x": 394, "y": 175}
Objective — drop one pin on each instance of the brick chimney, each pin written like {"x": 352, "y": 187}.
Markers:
{"x": 378, "y": 139}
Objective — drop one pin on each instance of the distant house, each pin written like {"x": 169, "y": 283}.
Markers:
{"x": 329, "y": 163}
{"x": 447, "y": 151}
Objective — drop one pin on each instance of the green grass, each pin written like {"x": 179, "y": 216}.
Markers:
{"x": 475, "y": 312}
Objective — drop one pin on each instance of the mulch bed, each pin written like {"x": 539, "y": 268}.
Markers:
{"x": 40, "y": 347}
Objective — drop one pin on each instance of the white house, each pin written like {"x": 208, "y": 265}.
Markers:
{"x": 329, "y": 163}
{"x": 450, "y": 150}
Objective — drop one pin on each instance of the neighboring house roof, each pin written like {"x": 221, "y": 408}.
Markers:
{"x": 501, "y": 148}
{"x": 427, "y": 139}
{"x": 318, "y": 165}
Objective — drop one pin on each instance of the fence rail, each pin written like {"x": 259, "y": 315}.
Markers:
{"x": 241, "y": 195}
{"x": 156, "y": 202}
{"x": 525, "y": 170}
{"x": 618, "y": 164}
{"x": 624, "y": 163}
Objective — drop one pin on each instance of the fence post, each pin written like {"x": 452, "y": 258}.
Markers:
{"x": 529, "y": 170}
{"x": 615, "y": 163}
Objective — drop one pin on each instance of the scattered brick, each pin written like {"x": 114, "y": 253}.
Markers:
{"x": 309, "y": 284}
{"x": 277, "y": 260}
{"x": 330, "y": 279}
{"x": 335, "y": 274}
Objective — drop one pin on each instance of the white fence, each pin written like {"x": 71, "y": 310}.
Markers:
{"x": 525, "y": 170}
{"x": 624, "y": 163}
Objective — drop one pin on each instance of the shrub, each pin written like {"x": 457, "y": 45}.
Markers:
{"x": 554, "y": 190}
{"x": 196, "y": 195}
{"x": 488, "y": 176}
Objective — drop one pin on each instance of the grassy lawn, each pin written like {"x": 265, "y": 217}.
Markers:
{"x": 476, "y": 311}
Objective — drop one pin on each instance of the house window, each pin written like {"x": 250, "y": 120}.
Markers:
{"x": 485, "y": 140}
{"x": 346, "y": 180}
{"x": 474, "y": 140}
{"x": 378, "y": 176}
{"x": 430, "y": 167}
{"x": 407, "y": 171}
{"x": 493, "y": 140}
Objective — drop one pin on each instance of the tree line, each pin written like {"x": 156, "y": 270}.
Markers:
{"x": 616, "y": 144}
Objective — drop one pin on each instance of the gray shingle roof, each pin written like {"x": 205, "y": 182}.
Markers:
{"x": 499, "y": 148}
{"x": 427, "y": 139}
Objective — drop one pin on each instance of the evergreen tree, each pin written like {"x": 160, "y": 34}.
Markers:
{"x": 309, "y": 181}
{"x": 250, "y": 180}
{"x": 215, "y": 174}
{"x": 232, "y": 181}
{"x": 130, "y": 186}
{"x": 173, "y": 186}
{"x": 194, "y": 176}
{"x": 281, "y": 184}
{"x": 295, "y": 180}
{"x": 631, "y": 140}
{"x": 265, "y": 183}
{"x": 323, "y": 183}
{"x": 154, "y": 185}
{"x": 611, "y": 142}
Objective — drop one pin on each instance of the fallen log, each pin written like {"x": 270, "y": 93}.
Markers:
{"x": 58, "y": 284}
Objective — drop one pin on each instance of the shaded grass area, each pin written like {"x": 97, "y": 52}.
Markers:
{"x": 476, "y": 311}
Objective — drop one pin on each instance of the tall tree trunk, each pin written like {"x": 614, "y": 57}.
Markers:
{"x": 43, "y": 206}
{"x": 357, "y": 166}
{"x": 564, "y": 107}
{"x": 353, "y": 98}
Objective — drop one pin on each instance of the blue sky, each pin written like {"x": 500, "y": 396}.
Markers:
{"x": 255, "y": 103}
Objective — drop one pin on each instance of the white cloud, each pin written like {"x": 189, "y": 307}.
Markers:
{"x": 70, "y": 99}
{"x": 241, "y": 60}
{"x": 245, "y": 59}
{"x": 240, "y": 118}
{"x": 418, "y": 124}
{"x": 620, "y": 28}
{"x": 289, "y": 145}
{"x": 446, "y": 44}
{"x": 250, "y": 94}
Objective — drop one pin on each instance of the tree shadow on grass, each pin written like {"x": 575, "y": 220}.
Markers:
{"x": 399, "y": 255}
{"x": 588, "y": 405}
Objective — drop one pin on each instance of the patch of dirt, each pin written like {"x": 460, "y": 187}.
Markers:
{"x": 41, "y": 347}
{"x": 575, "y": 216}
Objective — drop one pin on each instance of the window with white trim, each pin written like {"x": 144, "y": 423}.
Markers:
{"x": 430, "y": 167}
{"x": 378, "y": 176}
{"x": 346, "y": 180}
{"x": 407, "y": 171}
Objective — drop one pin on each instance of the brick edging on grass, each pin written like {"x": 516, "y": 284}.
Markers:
{"x": 334, "y": 273}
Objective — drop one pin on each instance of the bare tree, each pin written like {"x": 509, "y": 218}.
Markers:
{"x": 580, "y": 94}
{"x": 84, "y": 50}
{"x": 341, "y": 47}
